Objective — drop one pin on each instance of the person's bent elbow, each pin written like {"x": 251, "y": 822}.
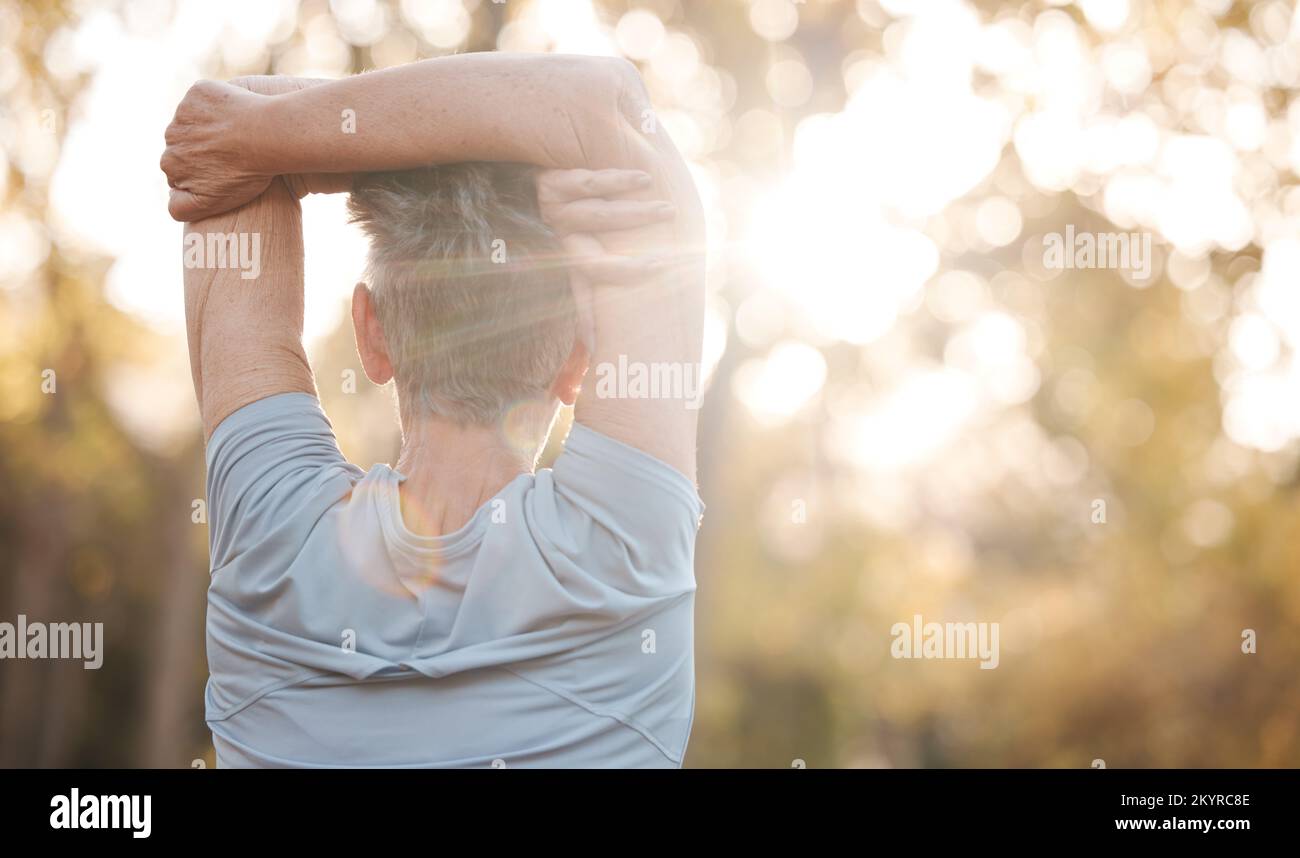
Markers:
{"x": 611, "y": 114}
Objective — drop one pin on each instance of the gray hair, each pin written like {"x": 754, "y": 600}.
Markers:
{"x": 468, "y": 285}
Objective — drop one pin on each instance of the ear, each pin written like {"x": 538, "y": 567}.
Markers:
{"x": 371, "y": 345}
{"x": 569, "y": 379}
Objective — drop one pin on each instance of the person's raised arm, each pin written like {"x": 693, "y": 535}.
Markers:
{"x": 551, "y": 111}
{"x": 244, "y": 290}
{"x": 244, "y": 305}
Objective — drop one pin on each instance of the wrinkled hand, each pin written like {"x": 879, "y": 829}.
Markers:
{"x": 206, "y": 160}
{"x": 210, "y": 143}
{"x": 576, "y": 205}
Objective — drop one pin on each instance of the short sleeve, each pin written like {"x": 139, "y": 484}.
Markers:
{"x": 650, "y": 508}
{"x": 271, "y": 462}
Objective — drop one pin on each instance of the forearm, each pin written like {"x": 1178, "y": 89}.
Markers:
{"x": 552, "y": 111}
{"x": 244, "y": 304}
{"x": 300, "y": 184}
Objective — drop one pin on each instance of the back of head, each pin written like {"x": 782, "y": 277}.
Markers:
{"x": 469, "y": 287}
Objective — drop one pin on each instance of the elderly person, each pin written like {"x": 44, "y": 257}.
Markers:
{"x": 528, "y": 220}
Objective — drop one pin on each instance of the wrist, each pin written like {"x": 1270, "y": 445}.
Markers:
{"x": 262, "y": 132}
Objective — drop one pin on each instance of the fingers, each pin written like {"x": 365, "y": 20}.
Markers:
{"x": 568, "y": 185}
{"x": 599, "y": 215}
{"x": 575, "y": 201}
{"x": 183, "y": 206}
{"x": 170, "y": 164}
{"x": 588, "y": 259}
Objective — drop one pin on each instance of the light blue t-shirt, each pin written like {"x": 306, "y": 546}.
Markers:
{"x": 554, "y": 629}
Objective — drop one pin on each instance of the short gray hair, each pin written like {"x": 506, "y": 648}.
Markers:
{"x": 469, "y": 286}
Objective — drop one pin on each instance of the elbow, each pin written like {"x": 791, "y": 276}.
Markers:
{"x": 618, "y": 112}
{"x": 603, "y": 111}
{"x": 630, "y": 94}
{"x": 609, "y": 84}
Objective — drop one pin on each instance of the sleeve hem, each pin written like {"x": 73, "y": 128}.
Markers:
{"x": 587, "y": 444}
{"x": 276, "y": 403}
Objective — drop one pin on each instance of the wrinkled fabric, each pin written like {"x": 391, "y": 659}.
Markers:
{"x": 555, "y": 628}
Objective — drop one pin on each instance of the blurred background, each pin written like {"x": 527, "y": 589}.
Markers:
{"x": 908, "y": 412}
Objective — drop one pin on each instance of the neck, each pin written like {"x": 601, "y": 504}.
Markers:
{"x": 451, "y": 471}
